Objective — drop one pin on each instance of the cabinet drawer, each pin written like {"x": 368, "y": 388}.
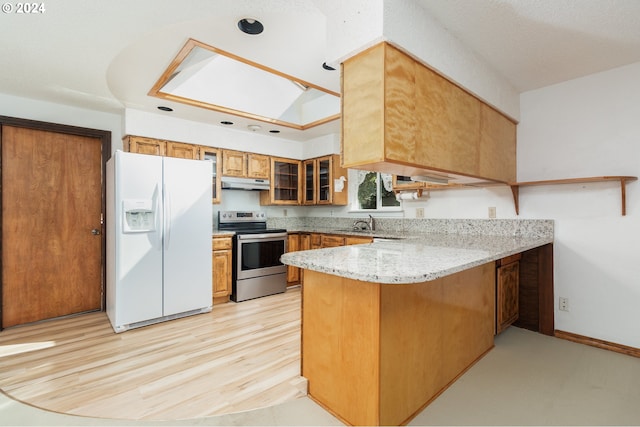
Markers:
{"x": 220, "y": 243}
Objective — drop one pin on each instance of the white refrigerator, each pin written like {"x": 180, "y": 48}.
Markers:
{"x": 159, "y": 223}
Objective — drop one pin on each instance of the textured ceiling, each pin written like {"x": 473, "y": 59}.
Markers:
{"x": 539, "y": 43}
{"x": 106, "y": 55}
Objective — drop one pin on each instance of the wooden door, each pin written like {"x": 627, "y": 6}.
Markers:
{"x": 51, "y": 224}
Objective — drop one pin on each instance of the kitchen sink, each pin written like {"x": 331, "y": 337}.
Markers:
{"x": 354, "y": 230}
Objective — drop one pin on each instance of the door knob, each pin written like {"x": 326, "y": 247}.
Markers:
{"x": 95, "y": 232}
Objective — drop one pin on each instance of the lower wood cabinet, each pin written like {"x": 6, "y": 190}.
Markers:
{"x": 357, "y": 240}
{"x": 293, "y": 245}
{"x": 507, "y": 291}
{"x": 222, "y": 269}
{"x": 331, "y": 241}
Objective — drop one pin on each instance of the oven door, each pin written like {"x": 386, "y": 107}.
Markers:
{"x": 259, "y": 254}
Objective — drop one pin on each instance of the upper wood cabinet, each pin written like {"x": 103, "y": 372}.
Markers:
{"x": 400, "y": 117}
{"x": 182, "y": 150}
{"x": 234, "y": 163}
{"x": 245, "y": 165}
{"x": 284, "y": 183}
{"x": 159, "y": 147}
{"x": 318, "y": 181}
{"x": 213, "y": 154}
{"x": 258, "y": 166}
{"x": 143, "y": 145}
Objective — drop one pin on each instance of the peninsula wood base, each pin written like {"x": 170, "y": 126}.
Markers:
{"x": 376, "y": 354}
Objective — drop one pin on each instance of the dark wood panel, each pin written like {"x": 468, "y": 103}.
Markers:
{"x": 536, "y": 290}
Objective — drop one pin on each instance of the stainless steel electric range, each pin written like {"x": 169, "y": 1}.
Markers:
{"x": 257, "y": 270}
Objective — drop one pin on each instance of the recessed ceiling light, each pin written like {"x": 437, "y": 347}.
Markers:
{"x": 254, "y": 128}
{"x": 163, "y": 108}
{"x": 327, "y": 67}
{"x": 250, "y": 26}
{"x": 226, "y": 122}
{"x": 274, "y": 131}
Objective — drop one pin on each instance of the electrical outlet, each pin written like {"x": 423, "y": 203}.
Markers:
{"x": 492, "y": 212}
{"x": 419, "y": 212}
{"x": 563, "y": 304}
{"x": 284, "y": 212}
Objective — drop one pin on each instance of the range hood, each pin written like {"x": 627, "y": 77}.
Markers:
{"x": 235, "y": 183}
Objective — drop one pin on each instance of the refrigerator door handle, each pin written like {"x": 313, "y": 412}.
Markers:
{"x": 159, "y": 218}
{"x": 167, "y": 217}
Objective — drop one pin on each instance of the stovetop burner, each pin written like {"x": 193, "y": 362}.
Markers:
{"x": 245, "y": 222}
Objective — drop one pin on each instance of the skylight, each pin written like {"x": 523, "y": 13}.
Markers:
{"x": 207, "y": 77}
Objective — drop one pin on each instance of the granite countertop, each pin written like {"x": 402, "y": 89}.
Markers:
{"x": 411, "y": 259}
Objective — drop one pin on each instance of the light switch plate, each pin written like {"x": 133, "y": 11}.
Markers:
{"x": 492, "y": 212}
{"x": 419, "y": 212}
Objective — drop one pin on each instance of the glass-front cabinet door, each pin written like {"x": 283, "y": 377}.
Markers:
{"x": 309, "y": 182}
{"x": 213, "y": 154}
{"x": 324, "y": 180}
{"x": 285, "y": 181}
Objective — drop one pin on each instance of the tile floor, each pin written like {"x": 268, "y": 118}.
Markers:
{"x": 527, "y": 379}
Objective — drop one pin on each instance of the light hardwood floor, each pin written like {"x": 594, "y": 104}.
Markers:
{"x": 238, "y": 357}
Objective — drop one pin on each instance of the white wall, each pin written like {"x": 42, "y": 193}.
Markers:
{"x": 355, "y": 25}
{"x": 588, "y": 127}
{"x": 25, "y": 108}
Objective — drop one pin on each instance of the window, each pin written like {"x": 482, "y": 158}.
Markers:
{"x": 374, "y": 192}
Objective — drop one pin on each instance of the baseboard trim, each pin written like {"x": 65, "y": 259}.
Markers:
{"x": 606, "y": 345}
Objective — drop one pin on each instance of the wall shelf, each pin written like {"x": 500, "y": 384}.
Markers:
{"x": 515, "y": 187}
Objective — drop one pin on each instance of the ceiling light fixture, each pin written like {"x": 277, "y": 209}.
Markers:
{"x": 163, "y": 108}
{"x": 254, "y": 128}
{"x": 226, "y": 122}
{"x": 274, "y": 131}
{"x": 250, "y": 26}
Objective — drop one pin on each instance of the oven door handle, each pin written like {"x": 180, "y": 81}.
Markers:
{"x": 262, "y": 237}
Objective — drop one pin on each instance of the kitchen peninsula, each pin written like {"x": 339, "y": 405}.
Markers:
{"x": 387, "y": 326}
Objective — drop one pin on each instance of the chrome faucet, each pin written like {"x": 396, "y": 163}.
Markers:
{"x": 368, "y": 225}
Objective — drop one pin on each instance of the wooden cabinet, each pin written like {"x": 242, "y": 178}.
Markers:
{"x": 305, "y": 241}
{"x": 258, "y": 166}
{"x": 507, "y": 291}
{"x": 309, "y": 182}
{"x": 285, "y": 183}
{"x": 213, "y": 154}
{"x": 401, "y": 117}
{"x": 182, "y": 150}
{"x": 159, "y": 147}
{"x": 318, "y": 181}
{"x": 331, "y": 241}
{"x": 234, "y": 163}
{"x": 293, "y": 245}
{"x": 143, "y": 145}
{"x": 222, "y": 269}
{"x": 245, "y": 165}
{"x": 357, "y": 240}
